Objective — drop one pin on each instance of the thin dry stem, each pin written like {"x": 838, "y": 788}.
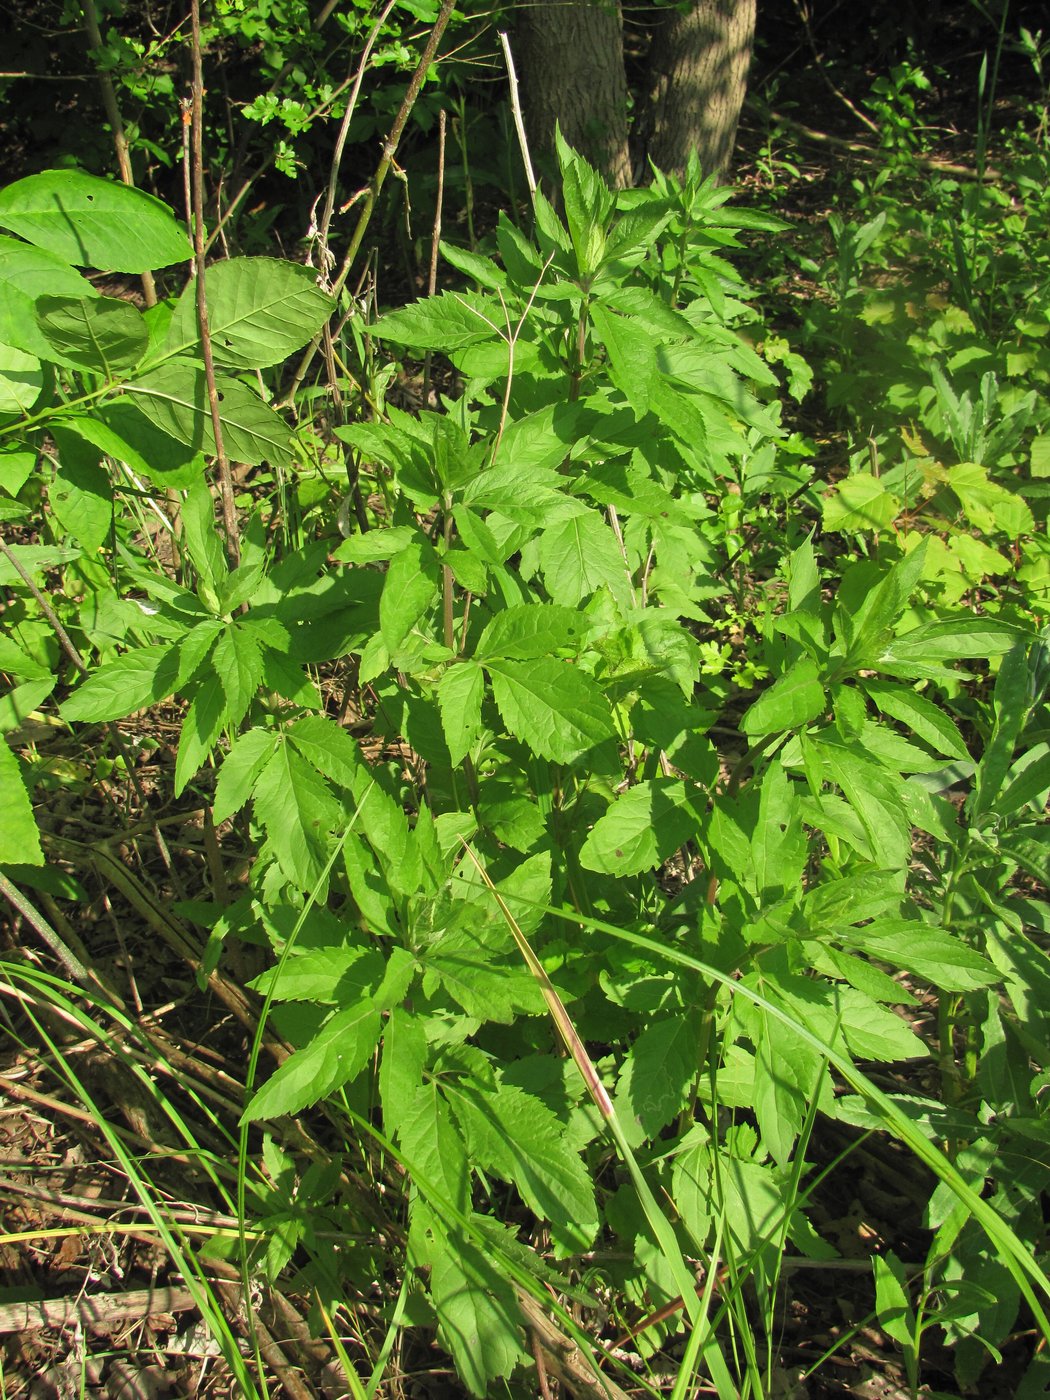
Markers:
{"x": 515, "y": 107}
{"x": 229, "y": 508}
{"x": 120, "y": 141}
{"x": 324, "y": 227}
{"x": 435, "y": 242}
{"x": 371, "y": 194}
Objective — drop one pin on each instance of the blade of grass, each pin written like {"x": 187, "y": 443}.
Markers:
{"x": 59, "y": 994}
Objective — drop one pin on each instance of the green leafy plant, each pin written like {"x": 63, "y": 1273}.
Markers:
{"x": 591, "y": 936}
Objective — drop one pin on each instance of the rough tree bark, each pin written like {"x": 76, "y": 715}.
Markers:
{"x": 571, "y": 64}
{"x": 571, "y": 60}
{"x": 698, "y": 67}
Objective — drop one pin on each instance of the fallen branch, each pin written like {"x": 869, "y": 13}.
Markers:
{"x": 96, "y": 1311}
{"x": 864, "y": 152}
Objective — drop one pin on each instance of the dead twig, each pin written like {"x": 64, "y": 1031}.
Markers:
{"x": 97, "y": 1311}
{"x": 229, "y": 509}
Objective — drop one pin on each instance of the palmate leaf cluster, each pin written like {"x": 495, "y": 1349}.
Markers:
{"x": 520, "y": 620}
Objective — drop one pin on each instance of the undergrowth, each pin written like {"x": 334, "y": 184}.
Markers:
{"x": 617, "y": 802}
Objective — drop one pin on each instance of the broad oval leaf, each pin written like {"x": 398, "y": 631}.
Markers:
{"x": 94, "y": 223}
{"x": 26, "y": 273}
{"x": 174, "y": 398}
{"x": 21, "y": 379}
{"x": 104, "y": 334}
{"x": 260, "y": 311}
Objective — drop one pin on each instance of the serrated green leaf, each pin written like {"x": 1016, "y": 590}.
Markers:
{"x": 516, "y": 1136}
{"x": 433, "y": 1147}
{"x": 657, "y": 1076}
{"x": 555, "y": 709}
{"x": 874, "y": 795}
{"x": 481, "y": 980}
{"x": 868, "y": 629}
{"x": 860, "y": 502}
{"x": 478, "y": 1316}
{"x": 919, "y": 714}
{"x": 988, "y": 505}
{"x": 933, "y": 954}
{"x": 297, "y": 809}
{"x": 411, "y": 587}
{"x": 633, "y": 365}
{"x": 948, "y": 639}
{"x": 330, "y": 749}
{"x": 339, "y": 1051}
{"x": 579, "y": 555}
{"x": 133, "y": 681}
{"x": 587, "y": 201}
{"x": 19, "y": 838}
{"x": 197, "y": 646}
{"x": 330, "y": 976}
{"x": 779, "y": 848}
{"x": 94, "y": 223}
{"x": 641, "y": 829}
{"x": 459, "y": 694}
{"x": 873, "y": 1032}
{"x": 203, "y": 724}
{"x": 529, "y": 631}
{"x": 785, "y": 1080}
{"x": 201, "y": 536}
{"x": 481, "y": 270}
{"x": 519, "y": 492}
{"x": 446, "y": 322}
{"x": 260, "y": 311}
{"x": 793, "y": 700}
{"x": 401, "y": 1068}
{"x": 240, "y": 768}
{"x": 238, "y": 663}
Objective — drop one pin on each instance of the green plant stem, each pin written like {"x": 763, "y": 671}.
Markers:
{"x": 377, "y": 181}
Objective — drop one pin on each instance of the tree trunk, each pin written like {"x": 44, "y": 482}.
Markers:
{"x": 571, "y": 60}
{"x": 698, "y": 68}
